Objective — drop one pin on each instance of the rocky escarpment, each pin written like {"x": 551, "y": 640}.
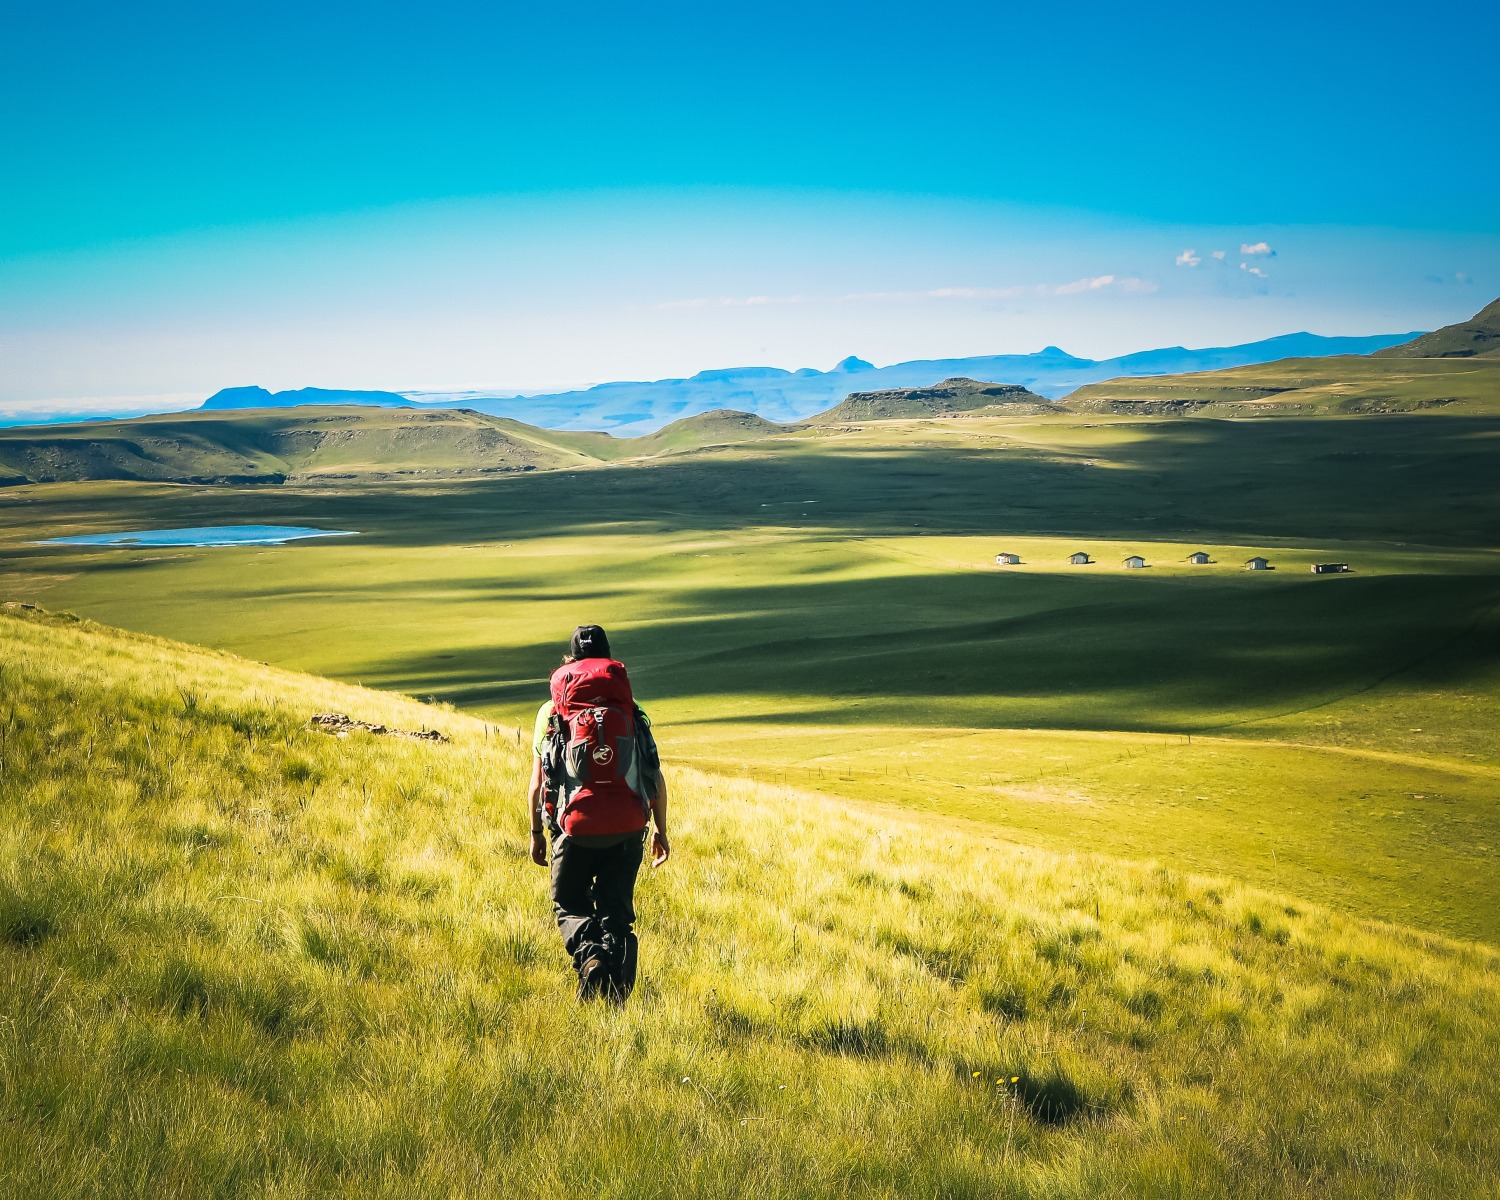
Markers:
{"x": 951, "y": 396}
{"x": 1132, "y": 398}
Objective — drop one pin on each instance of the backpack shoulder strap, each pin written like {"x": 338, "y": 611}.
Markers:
{"x": 557, "y": 786}
{"x": 647, "y": 757}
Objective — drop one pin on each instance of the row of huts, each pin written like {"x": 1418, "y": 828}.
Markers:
{"x": 1135, "y": 562}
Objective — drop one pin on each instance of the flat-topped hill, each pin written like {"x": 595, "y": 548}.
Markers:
{"x": 245, "y": 956}
{"x": 949, "y": 396}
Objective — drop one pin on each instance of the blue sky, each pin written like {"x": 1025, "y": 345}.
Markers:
{"x": 438, "y": 195}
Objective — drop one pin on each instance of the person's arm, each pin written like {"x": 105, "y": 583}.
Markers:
{"x": 534, "y": 810}
{"x": 661, "y": 848}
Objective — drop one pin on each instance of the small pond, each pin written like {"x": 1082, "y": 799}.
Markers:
{"x": 202, "y": 535}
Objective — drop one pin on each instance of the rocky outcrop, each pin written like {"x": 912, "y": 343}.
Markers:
{"x": 956, "y": 395}
{"x": 341, "y": 726}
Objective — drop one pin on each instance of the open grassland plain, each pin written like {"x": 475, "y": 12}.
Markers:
{"x": 823, "y": 608}
{"x": 240, "y": 957}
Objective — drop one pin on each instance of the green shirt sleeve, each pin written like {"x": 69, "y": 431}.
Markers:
{"x": 539, "y": 733}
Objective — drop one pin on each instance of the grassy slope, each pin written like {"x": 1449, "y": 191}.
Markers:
{"x": 1480, "y": 335}
{"x": 722, "y": 427}
{"x": 269, "y": 445}
{"x": 239, "y": 957}
{"x": 1309, "y": 386}
{"x": 320, "y": 443}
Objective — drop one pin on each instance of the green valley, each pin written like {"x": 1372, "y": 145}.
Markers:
{"x": 1094, "y": 759}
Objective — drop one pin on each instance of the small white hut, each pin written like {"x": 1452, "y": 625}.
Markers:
{"x": 1257, "y": 564}
{"x": 1134, "y": 562}
{"x": 1008, "y": 560}
{"x": 1198, "y": 558}
{"x": 1079, "y": 558}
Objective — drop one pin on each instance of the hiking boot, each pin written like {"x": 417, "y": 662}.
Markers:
{"x": 622, "y": 974}
{"x": 616, "y": 990}
{"x": 592, "y": 977}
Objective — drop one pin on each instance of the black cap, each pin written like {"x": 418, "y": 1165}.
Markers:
{"x": 589, "y": 641}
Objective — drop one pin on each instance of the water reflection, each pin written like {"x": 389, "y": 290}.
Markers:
{"x": 202, "y": 535}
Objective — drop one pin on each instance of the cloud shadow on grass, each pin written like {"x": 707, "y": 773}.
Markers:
{"x": 1086, "y": 652}
{"x": 1423, "y": 478}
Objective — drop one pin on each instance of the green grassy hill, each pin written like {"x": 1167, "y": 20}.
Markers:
{"x": 1477, "y": 337}
{"x": 1300, "y": 387}
{"x": 239, "y": 957}
{"x": 722, "y": 427}
{"x": 327, "y": 444}
{"x": 1454, "y": 370}
{"x": 950, "y": 396}
{"x": 273, "y": 446}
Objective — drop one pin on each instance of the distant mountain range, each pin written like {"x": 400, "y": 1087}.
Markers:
{"x": 325, "y": 437}
{"x": 635, "y": 408}
{"x": 631, "y": 409}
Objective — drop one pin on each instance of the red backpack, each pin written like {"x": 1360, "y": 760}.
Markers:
{"x": 593, "y": 743}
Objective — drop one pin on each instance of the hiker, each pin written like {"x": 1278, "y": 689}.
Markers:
{"x": 595, "y": 779}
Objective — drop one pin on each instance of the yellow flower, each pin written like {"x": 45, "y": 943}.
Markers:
{"x": 1015, "y": 1079}
{"x": 976, "y": 1074}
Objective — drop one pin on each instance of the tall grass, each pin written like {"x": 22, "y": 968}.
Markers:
{"x": 239, "y": 957}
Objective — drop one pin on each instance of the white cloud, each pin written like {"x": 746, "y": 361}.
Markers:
{"x": 1253, "y": 270}
{"x": 99, "y": 406}
{"x": 733, "y": 301}
{"x": 1188, "y": 258}
{"x": 953, "y": 293}
{"x": 1249, "y": 249}
{"x": 1461, "y": 277}
{"x": 945, "y": 293}
{"x": 1130, "y": 285}
{"x": 1079, "y": 286}
{"x": 1219, "y": 254}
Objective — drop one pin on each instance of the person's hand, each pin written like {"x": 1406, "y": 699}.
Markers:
{"x": 661, "y": 849}
{"x": 539, "y": 847}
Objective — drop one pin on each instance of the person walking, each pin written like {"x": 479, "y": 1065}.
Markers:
{"x": 596, "y": 780}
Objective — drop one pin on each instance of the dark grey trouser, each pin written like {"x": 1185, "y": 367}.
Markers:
{"x": 593, "y": 894}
